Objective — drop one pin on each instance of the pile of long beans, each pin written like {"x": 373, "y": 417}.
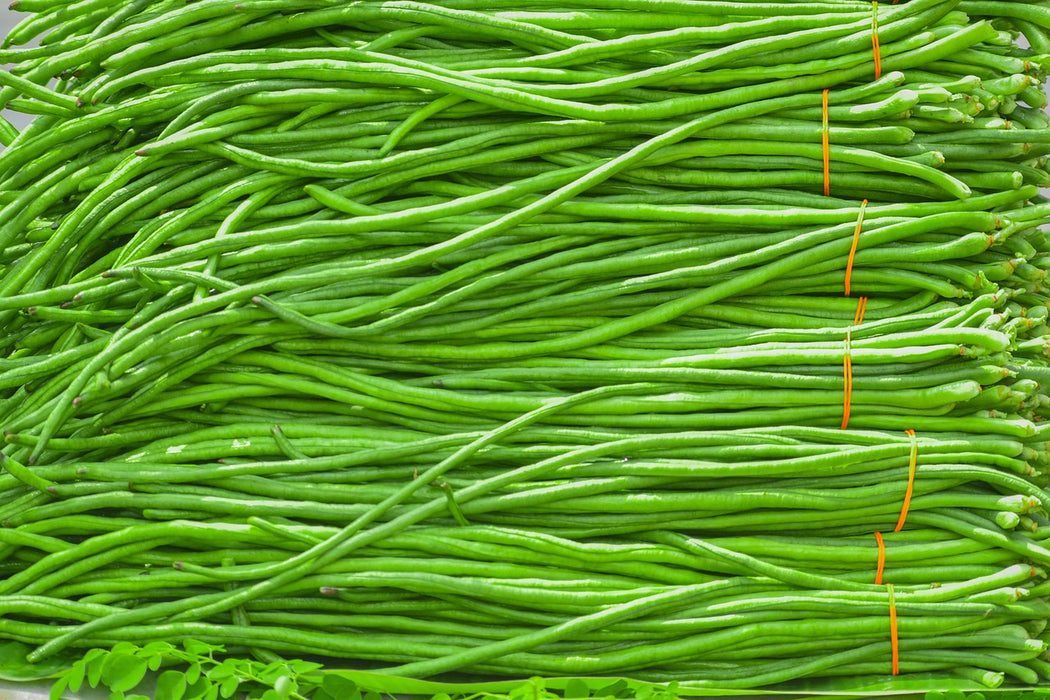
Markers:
{"x": 694, "y": 340}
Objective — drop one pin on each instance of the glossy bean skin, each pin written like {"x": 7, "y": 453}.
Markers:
{"x": 519, "y": 337}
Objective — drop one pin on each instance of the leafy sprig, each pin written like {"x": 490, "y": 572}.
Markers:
{"x": 194, "y": 671}
{"x": 200, "y": 671}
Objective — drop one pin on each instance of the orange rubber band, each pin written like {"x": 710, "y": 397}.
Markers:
{"x": 876, "y": 54}
{"x": 913, "y": 460}
{"x": 853, "y": 248}
{"x": 862, "y": 306}
{"x": 847, "y": 363}
{"x": 894, "y": 642}
{"x": 881, "y": 566}
{"x": 825, "y": 141}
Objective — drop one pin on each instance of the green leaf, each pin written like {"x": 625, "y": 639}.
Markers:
{"x": 94, "y": 662}
{"x": 14, "y": 667}
{"x": 58, "y": 689}
{"x": 269, "y": 673}
{"x": 284, "y": 687}
{"x": 576, "y": 688}
{"x": 620, "y": 689}
{"x": 441, "y": 696}
{"x": 193, "y": 673}
{"x": 124, "y": 648}
{"x": 339, "y": 687}
{"x": 195, "y": 646}
{"x": 220, "y": 672}
{"x": 76, "y": 675}
{"x": 117, "y": 695}
{"x": 373, "y": 695}
{"x": 302, "y": 667}
{"x": 523, "y": 692}
{"x": 171, "y": 685}
{"x": 229, "y": 686}
{"x": 270, "y": 694}
{"x": 122, "y": 672}
{"x": 156, "y": 648}
{"x": 198, "y": 689}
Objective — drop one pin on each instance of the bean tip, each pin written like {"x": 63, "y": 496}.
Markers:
{"x": 80, "y": 102}
{"x": 257, "y": 299}
{"x": 52, "y": 490}
{"x": 142, "y": 152}
{"x": 77, "y": 297}
{"x": 178, "y": 565}
{"x": 329, "y": 590}
{"x": 77, "y": 400}
{"x": 105, "y": 275}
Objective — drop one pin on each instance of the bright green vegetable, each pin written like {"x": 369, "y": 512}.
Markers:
{"x": 495, "y": 341}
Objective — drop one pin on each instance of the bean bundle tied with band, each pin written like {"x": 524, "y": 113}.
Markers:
{"x": 690, "y": 340}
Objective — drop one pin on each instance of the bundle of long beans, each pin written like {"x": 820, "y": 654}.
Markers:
{"x": 685, "y": 340}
